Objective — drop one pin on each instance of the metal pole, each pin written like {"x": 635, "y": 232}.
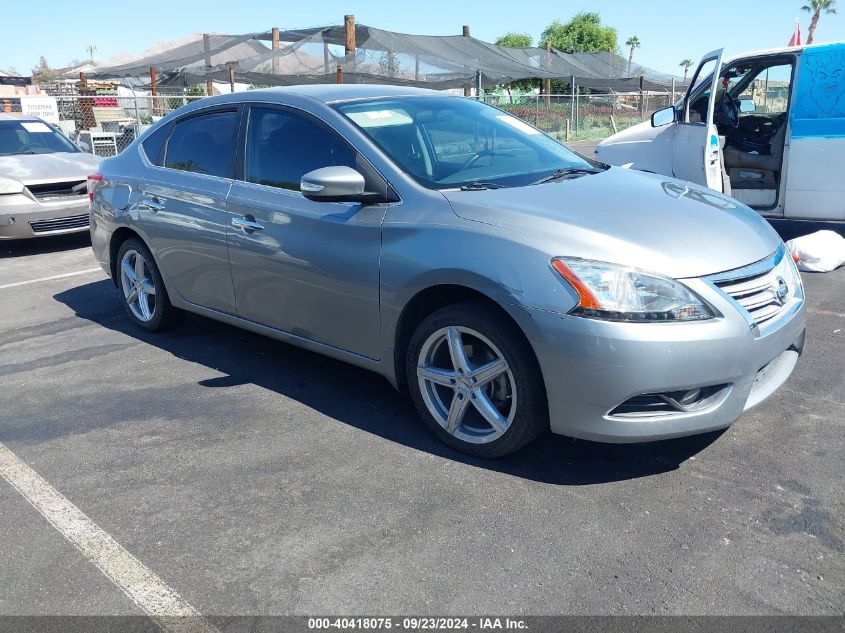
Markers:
{"x": 467, "y": 87}
{"x": 137, "y": 113}
{"x": 572, "y": 103}
{"x": 206, "y": 45}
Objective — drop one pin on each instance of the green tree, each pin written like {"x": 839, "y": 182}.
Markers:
{"x": 815, "y": 8}
{"x": 515, "y": 40}
{"x": 42, "y": 73}
{"x": 583, "y": 33}
{"x": 685, "y": 64}
{"x": 632, "y": 43}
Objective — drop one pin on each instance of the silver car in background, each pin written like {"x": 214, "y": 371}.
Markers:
{"x": 42, "y": 180}
{"x": 509, "y": 284}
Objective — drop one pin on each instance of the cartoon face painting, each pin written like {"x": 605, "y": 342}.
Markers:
{"x": 827, "y": 72}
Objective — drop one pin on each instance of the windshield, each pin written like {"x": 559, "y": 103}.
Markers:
{"x": 31, "y": 137}
{"x": 447, "y": 142}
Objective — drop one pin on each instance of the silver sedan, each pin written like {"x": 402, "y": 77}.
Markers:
{"x": 510, "y": 285}
{"x": 43, "y": 177}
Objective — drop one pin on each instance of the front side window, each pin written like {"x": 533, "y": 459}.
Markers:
{"x": 203, "y": 144}
{"x": 282, "y": 146}
{"x": 768, "y": 92}
{"x": 32, "y": 137}
{"x": 446, "y": 142}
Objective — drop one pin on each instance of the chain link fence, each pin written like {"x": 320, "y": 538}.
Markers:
{"x": 569, "y": 117}
{"x": 105, "y": 122}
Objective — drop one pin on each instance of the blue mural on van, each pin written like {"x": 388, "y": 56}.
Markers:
{"x": 819, "y": 108}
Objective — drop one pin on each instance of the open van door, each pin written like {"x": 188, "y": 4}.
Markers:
{"x": 696, "y": 155}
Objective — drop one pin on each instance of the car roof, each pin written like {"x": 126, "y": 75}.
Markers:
{"x": 777, "y": 51}
{"x": 325, "y": 93}
{"x": 11, "y": 116}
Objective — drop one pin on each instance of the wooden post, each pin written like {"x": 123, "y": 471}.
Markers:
{"x": 231, "y": 78}
{"x": 349, "y": 29}
{"x": 547, "y": 83}
{"x": 206, "y": 45}
{"x": 275, "y": 48}
{"x": 154, "y": 91}
{"x": 339, "y": 76}
{"x": 86, "y": 105}
{"x": 467, "y": 87}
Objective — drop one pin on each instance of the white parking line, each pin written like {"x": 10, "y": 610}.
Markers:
{"x": 169, "y": 610}
{"x": 62, "y": 276}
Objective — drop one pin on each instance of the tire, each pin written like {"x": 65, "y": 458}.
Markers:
{"x": 151, "y": 309}
{"x": 444, "y": 386}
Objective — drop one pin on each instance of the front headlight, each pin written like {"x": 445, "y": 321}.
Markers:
{"x": 618, "y": 293}
{"x": 10, "y": 185}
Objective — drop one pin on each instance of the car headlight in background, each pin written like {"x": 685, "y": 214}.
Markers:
{"x": 10, "y": 185}
{"x": 618, "y": 293}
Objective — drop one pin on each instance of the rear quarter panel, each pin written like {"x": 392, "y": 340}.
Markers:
{"x": 815, "y": 188}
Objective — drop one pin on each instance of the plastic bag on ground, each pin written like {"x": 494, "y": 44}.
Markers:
{"x": 818, "y": 252}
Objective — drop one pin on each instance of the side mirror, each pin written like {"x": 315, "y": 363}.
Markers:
{"x": 747, "y": 105}
{"x": 663, "y": 117}
{"x": 83, "y": 146}
{"x": 335, "y": 184}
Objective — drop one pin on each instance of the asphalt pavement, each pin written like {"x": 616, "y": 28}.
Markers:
{"x": 256, "y": 478}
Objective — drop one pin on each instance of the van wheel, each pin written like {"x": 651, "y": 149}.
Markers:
{"x": 475, "y": 382}
{"x": 142, "y": 288}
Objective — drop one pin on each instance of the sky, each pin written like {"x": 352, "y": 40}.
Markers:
{"x": 668, "y": 30}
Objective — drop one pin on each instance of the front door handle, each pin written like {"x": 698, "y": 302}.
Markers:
{"x": 153, "y": 204}
{"x": 247, "y": 223}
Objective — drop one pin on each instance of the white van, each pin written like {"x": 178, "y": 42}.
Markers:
{"x": 767, "y": 128}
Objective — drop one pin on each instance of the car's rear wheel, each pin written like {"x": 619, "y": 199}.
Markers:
{"x": 475, "y": 381}
{"x": 142, "y": 288}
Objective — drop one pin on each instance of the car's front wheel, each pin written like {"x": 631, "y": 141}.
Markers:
{"x": 475, "y": 381}
{"x": 142, "y": 288}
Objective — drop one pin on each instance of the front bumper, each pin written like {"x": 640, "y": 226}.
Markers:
{"x": 591, "y": 367}
{"x": 22, "y": 217}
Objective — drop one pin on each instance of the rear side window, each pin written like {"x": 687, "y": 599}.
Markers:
{"x": 154, "y": 145}
{"x": 282, "y": 146}
{"x": 203, "y": 144}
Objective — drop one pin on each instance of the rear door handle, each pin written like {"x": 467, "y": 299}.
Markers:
{"x": 153, "y": 204}
{"x": 247, "y": 223}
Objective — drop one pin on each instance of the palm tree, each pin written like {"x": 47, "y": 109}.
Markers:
{"x": 685, "y": 64}
{"x": 633, "y": 42}
{"x": 816, "y": 7}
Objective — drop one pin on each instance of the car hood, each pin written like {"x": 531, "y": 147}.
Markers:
{"x": 628, "y": 217}
{"x": 635, "y": 133}
{"x": 57, "y": 167}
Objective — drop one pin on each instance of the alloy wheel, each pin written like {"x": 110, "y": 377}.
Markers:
{"x": 466, "y": 384}
{"x": 138, "y": 286}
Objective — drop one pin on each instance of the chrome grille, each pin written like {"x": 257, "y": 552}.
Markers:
{"x": 60, "y": 224}
{"x": 756, "y": 288}
{"x": 58, "y": 189}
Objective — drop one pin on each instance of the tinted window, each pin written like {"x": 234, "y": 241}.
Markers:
{"x": 282, "y": 146}
{"x": 203, "y": 144}
{"x": 154, "y": 145}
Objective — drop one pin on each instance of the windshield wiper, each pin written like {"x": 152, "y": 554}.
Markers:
{"x": 566, "y": 172}
{"x": 480, "y": 186}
